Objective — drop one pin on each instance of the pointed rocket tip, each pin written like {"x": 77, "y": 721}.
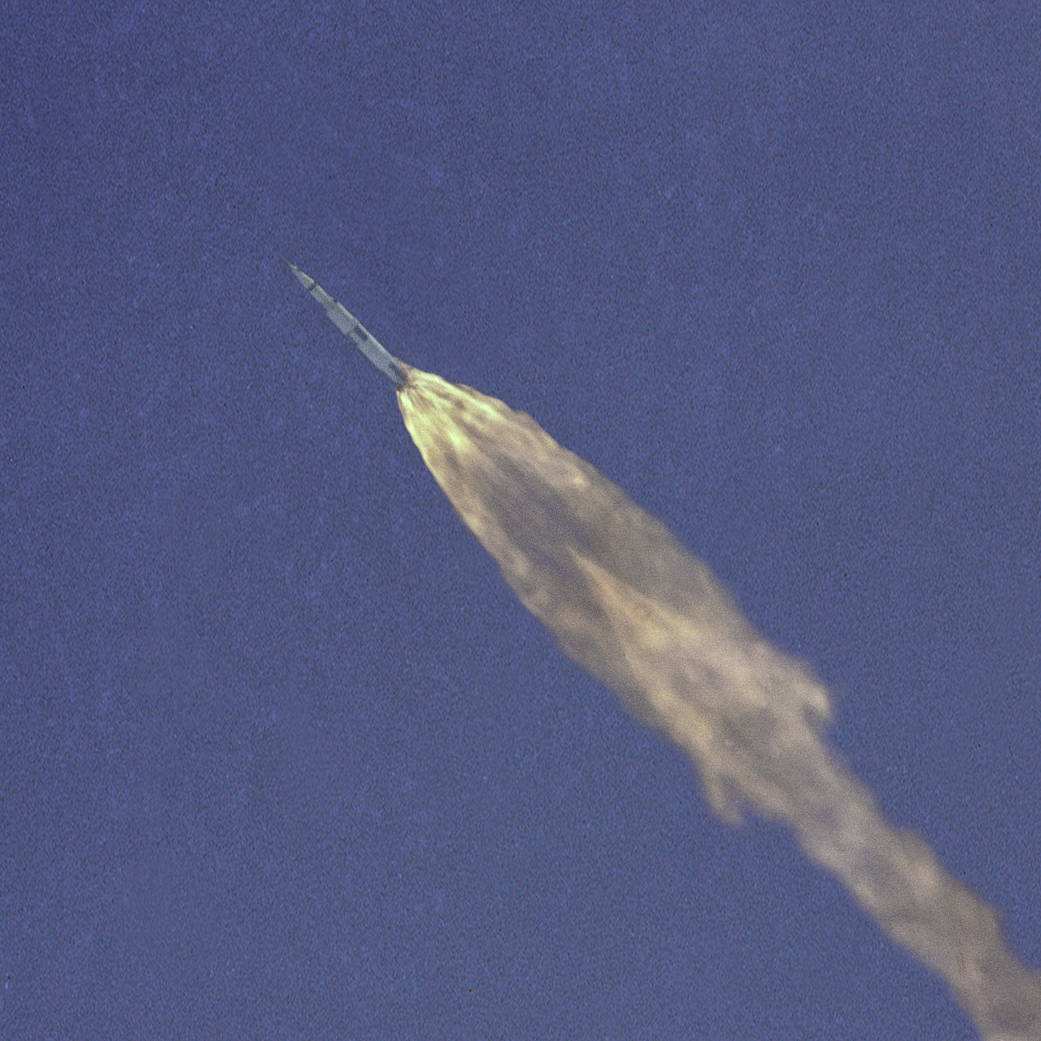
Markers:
{"x": 302, "y": 277}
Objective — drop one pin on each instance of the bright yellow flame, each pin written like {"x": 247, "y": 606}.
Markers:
{"x": 627, "y": 602}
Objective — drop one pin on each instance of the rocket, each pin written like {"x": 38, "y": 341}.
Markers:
{"x": 631, "y": 605}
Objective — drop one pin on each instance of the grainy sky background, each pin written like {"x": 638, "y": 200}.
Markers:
{"x": 281, "y": 755}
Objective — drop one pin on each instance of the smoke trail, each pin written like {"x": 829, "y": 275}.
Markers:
{"x": 631, "y": 605}
{"x": 627, "y": 602}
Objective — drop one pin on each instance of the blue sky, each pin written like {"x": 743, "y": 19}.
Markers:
{"x": 282, "y": 755}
